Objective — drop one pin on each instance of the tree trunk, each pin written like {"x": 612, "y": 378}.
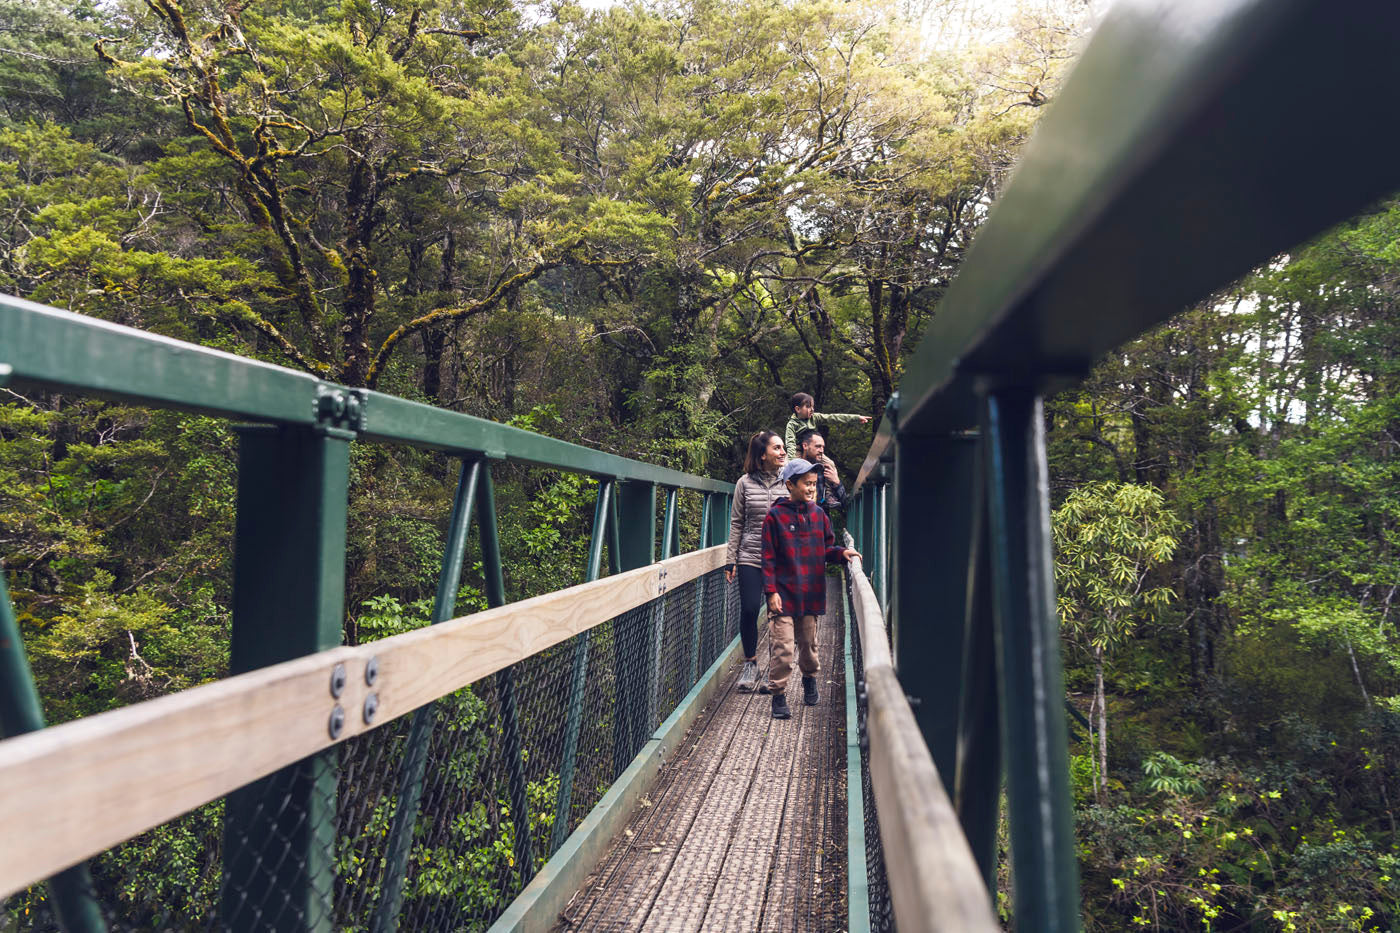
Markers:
{"x": 1102, "y": 702}
{"x": 434, "y": 342}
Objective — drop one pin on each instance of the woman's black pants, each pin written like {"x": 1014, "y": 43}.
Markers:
{"x": 750, "y": 602}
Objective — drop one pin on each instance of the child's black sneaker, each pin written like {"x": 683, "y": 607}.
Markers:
{"x": 809, "y": 691}
{"x": 780, "y": 707}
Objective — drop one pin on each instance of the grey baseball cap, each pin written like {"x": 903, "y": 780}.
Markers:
{"x": 796, "y": 467}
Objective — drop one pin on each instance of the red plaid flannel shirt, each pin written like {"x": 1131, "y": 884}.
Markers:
{"x": 797, "y": 544}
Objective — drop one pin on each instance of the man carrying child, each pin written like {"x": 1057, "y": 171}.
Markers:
{"x": 797, "y": 544}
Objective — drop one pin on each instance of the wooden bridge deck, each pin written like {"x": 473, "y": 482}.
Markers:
{"x": 745, "y": 828}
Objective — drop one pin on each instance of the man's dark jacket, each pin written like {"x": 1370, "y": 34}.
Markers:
{"x": 828, "y": 496}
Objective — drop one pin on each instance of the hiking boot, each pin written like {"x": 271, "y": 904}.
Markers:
{"x": 780, "y": 707}
{"x": 748, "y": 677}
{"x": 809, "y": 691}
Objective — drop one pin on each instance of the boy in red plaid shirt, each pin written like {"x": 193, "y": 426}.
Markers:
{"x": 797, "y": 544}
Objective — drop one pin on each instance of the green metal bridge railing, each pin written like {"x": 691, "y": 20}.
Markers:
{"x": 280, "y": 848}
{"x": 1194, "y": 140}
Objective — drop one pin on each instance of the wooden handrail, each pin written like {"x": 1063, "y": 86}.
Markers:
{"x": 71, "y": 791}
{"x": 934, "y": 881}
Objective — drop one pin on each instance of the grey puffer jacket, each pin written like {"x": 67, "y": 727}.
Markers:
{"x": 753, "y": 494}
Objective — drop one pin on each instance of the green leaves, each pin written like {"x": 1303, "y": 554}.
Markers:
{"x": 1108, "y": 538}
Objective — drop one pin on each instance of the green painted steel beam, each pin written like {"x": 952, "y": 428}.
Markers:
{"x": 929, "y": 582}
{"x": 387, "y": 419}
{"x": 46, "y": 348}
{"x": 977, "y": 781}
{"x": 53, "y": 349}
{"x": 1035, "y": 746}
{"x": 578, "y": 682}
{"x": 1170, "y": 163}
{"x": 415, "y": 760}
{"x": 288, "y": 601}
{"x": 71, "y": 890}
{"x": 635, "y": 540}
{"x": 512, "y": 750}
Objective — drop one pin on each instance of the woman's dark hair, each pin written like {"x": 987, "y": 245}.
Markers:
{"x": 758, "y": 446}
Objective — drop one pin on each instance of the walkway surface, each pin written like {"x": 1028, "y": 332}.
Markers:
{"x": 745, "y": 828}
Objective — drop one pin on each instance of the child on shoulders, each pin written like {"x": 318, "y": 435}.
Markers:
{"x": 803, "y": 417}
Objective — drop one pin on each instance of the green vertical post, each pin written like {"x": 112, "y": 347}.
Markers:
{"x": 636, "y": 538}
{"x": 567, "y": 763}
{"x": 421, "y": 729}
{"x": 706, "y": 500}
{"x": 877, "y": 543}
{"x": 670, "y": 525}
{"x": 930, "y": 549}
{"x": 21, "y": 711}
{"x": 719, "y": 534}
{"x": 719, "y": 519}
{"x": 1028, "y": 654}
{"x": 702, "y": 587}
{"x": 288, "y": 601}
{"x": 615, "y": 533}
{"x": 977, "y": 785}
{"x": 867, "y": 528}
{"x": 884, "y": 493}
{"x": 656, "y": 623}
{"x": 505, "y": 680}
{"x": 853, "y": 520}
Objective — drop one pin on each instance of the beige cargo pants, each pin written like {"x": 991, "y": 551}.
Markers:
{"x": 780, "y": 638}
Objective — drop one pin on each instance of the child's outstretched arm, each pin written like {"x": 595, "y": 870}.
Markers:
{"x": 840, "y": 419}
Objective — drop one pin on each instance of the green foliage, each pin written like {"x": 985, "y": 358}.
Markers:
{"x": 1108, "y": 537}
{"x": 1253, "y": 779}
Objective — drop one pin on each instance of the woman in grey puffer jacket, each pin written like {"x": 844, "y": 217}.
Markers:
{"x": 756, "y": 490}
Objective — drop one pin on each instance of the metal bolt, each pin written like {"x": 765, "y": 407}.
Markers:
{"x": 337, "y": 723}
{"x": 352, "y": 407}
{"x": 371, "y": 671}
{"x": 338, "y": 679}
{"x": 371, "y": 707}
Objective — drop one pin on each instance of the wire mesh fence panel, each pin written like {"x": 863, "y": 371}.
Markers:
{"x": 881, "y": 909}
{"x": 433, "y": 821}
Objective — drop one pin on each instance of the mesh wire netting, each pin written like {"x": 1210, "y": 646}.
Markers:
{"x": 433, "y": 821}
{"x": 881, "y": 910}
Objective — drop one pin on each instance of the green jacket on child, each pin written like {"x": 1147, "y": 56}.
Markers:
{"x": 796, "y": 426}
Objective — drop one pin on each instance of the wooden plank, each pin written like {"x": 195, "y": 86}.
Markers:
{"x": 933, "y": 878}
{"x": 71, "y": 791}
{"x": 857, "y": 878}
{"x": 870, "y": 621}
{"x": 934, "y": 881}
